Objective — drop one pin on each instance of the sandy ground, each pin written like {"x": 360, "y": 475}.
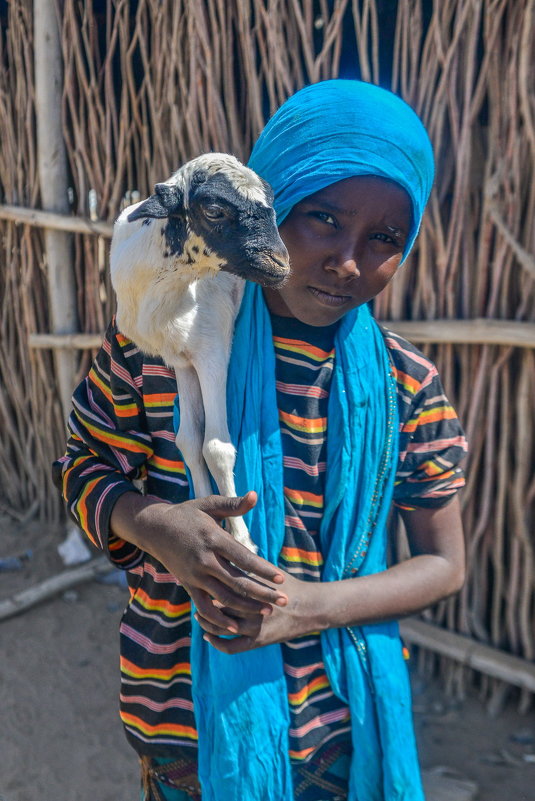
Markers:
{"x": 61, "y": 739}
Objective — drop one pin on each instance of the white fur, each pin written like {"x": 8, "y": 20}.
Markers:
{"x": 244, "y": 179}
{"x": 185, "y": 313}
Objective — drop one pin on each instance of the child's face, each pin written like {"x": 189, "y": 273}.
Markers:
{"x": 345, "y": 244}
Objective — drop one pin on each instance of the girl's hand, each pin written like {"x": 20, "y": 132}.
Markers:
{"x": 188, "y": 539}
{"x": 300, "y": 616}
{"x": 434, "y": 571}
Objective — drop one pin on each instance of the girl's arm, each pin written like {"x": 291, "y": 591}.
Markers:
{"x": 188, "y": 540}
{"x": 434, "y": 571}
{"x": 110, "y": 446}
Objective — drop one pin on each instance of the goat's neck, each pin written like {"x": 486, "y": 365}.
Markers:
{"x": 156, "y": 305}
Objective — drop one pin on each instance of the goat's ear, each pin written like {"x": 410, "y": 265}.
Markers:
{"x": 198, "y": 177}
{"x": 166, "y": 200}
{"x": 151, "y": 207}
{"x": 171, "y": 197}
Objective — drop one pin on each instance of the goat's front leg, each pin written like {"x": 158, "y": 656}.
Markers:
{"x": 218, "y": 451}
{"x": 190, "y": 434}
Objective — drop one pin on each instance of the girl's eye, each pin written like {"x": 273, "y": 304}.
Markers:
{"x": 325, "y": 217}
{"x": 389, "y": 239}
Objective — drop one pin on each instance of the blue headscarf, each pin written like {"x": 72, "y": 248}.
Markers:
{"x": 323, "y": 134}
{"x": 337, "y": 129}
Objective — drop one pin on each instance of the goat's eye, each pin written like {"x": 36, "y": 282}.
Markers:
{"x": 214, "y": 213}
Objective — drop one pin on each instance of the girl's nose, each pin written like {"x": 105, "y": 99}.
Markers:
{"x": 344, "y": 264}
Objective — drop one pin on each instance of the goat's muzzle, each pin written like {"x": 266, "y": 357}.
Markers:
{"x": 270, "y": 269}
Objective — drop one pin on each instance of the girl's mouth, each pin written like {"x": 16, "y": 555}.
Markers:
{"x": 327, "y": 298}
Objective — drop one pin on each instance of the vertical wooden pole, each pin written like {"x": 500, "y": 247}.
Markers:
{"x": 52, "y": 162}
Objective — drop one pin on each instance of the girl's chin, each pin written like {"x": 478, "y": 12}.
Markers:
{"x": 319, "y": 309}
{"x": 319, "y": 317}
{"x": 311, "y": 306}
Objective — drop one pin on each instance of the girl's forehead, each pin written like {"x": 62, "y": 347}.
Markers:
{"x": 357, "y": 185}
{"x": 350, "y": 195}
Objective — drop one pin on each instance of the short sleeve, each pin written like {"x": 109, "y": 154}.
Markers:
{"x": 108, "y": 445}
{"x": 432, "y": 443}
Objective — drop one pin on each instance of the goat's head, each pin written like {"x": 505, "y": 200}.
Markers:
{"x": 218, "y": 217}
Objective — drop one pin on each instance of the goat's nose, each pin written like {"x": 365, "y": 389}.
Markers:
{"x": 281, "y": 259}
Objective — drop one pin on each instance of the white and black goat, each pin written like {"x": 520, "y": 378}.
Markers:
{"x": 178, "y": 260}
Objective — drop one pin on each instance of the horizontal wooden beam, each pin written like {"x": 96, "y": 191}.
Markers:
{"x": 475, "y": 655}
{"x": 477, "y": 331}
{"x": 56, "y": 341}
{"x": 448, "y": 332}
{"x": 57, "y": 222}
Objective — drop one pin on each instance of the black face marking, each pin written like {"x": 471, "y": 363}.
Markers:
{"x": 166, "y": 203}
{"x": 246, "y": 240}
{"x": 175, "y": 235}
{"x": 217, "y": 191}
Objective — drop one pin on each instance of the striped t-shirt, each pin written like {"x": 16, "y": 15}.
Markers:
{"x": 304, "y": 363}
{"x": 122, "y": 430}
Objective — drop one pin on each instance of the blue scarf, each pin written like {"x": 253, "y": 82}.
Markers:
{"x": 325, "y": 133}
{"x": 241, "y": 701}
{"x": 337, "y": 129}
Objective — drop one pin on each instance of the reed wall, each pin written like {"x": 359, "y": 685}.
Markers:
{"x": 149, "y": 84}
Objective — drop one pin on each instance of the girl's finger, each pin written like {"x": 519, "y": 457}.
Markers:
{"x": 245, "y": 586}
{"x": 247, "y": 561}
{"x": 237, "y": 596}
{"x": 208, "y": 611}
{"x": 209, "y": 627}
{"x": 235, "y": 645}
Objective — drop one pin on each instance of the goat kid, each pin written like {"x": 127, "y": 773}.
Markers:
{"x": 178, "y": 260}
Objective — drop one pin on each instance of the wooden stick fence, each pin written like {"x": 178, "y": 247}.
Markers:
{"x": 148, "y": 85}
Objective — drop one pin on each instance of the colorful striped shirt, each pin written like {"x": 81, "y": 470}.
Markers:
{"x": 121, "y": 431}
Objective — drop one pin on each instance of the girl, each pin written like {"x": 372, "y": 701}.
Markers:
{"x": 285, "y": 679}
